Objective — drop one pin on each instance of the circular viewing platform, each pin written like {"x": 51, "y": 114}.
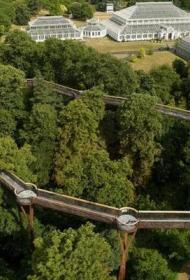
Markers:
{"x": 128, "y": 220}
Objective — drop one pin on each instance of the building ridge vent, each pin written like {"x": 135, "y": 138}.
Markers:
{"x": 154, "y": 3}
{"x": 48, "y": 17}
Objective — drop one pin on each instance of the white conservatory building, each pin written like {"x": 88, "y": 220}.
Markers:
{"x": 183, "y": 48}
{"x": 149, "y": 20}
{"x": 94, "y": 29}
{"x": 59, "y": 27}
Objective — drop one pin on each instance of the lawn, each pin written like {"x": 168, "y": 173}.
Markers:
{"x": 79, "y": 23}
{"x": 107, "y": 45}
{"x": 151, "y": 61}
{"x": 102, "y": 15}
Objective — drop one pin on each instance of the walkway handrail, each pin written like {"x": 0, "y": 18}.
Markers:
{"x": 125, "y": 219}
{"x": 116, "y": 100}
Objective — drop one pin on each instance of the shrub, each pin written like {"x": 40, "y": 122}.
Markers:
{"x": 141, "y": 53}
{"x": 133, "y": 58}
{"x": 149, "y": 52}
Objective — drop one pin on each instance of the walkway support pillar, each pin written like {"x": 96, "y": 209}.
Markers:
{"x": 125, "y": 240}
{"x": 28, "y": 211}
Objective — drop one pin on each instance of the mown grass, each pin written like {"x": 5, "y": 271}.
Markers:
{"x": 154, "y": 60}
{"x": 107, "y": 45}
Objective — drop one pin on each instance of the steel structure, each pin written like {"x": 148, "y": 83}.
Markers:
{"x": 116, "y": 100}
{"x": 126, "y": 220}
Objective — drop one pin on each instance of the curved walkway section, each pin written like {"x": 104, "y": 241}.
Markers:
{"x": 125, "y": 219}
{"x": 116, "y": 100}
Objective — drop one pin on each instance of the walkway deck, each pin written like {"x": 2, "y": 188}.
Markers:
{"x": 117, "y": 100}
{"x": 131, "y": 218}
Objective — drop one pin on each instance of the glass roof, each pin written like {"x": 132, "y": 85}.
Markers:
{"x": 49, "y": 20}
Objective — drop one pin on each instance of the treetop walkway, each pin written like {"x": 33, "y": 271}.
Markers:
{"x": 126, "y": 220}
{"x": 116, "y": 100}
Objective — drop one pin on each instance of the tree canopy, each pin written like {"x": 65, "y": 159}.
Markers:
{"x": 87, "y": 149}
{"x": 81, "y": 254}
{"x": 140, "y": 127}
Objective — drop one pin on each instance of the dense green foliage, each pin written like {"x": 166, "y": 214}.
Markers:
{"x": 40, "y": 132}
{"x": 16, "y": 160}
{"x": 12, "y": 94}
{"x": 148, "y": 264}
{"x": 69, "y": 63}
{"x": 81, "y": 10}
{"x": 20, "y": 11}
{"x": 72, "y": 254}
{"x": 130, "y": 156}
{"x": 140, "y": 127}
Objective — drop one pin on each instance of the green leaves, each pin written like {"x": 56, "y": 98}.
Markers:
{"x": 72, "y": 254}
{"x": 77, "y": 137}
{"x": 12, "y": 91}
{"x": 16, "y": 160}
{"x": 7, "y": 123}
{"x": 83, "y": 167}
{"x": 140, "y": 127}
{"x": 40, "y": 131}
{"x": 148, "y": 263}
{"x": 70, "y": 63}
{"x": 166, "y": 81}
{"x": 108, "y": 181}
{"x": 81, "y": 10}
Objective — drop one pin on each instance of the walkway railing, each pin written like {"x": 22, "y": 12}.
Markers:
{"x": 116, "y": 100}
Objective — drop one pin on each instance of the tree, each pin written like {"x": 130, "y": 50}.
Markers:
{"x": 185, "y": 89}
{"x": 40, "y": 132}
{"x": 22, "y": 14}
{"x": 12, "y": 235}
{"x": 146, "y": 83}
{"x": 83, "y": 168}
{"x": 107, "y": 181}
{"x": 93, "y": 99}
{"x": 86, "y": 11}
{"x": 2, "y": 29}
{"x": 116, "y": 77}
{"x": 72, "y": 254}
{"x": 77, "y": 136}
{"x": 180, "y": 67}
{"x": 34, "y": 5}
{"x": 18, "y": 161}
{"x": 43, "y": 93}
{"x": 21, "y": 52}
{"x": 171, "y": 171}
{"x": 69, "y": 63}
{"x": 81, "y": 10}
{"x": 166, "y": 81}
{"x": 140, "y": 127}
{"x": 148, "y": 264}
{"x": 141, "y": 53}
{"x": 12, "y": 91}
{"x": 7, "y": 13}
{"x": 7, "y": 123}
{"x": 174, "y": 244}
{"x": 5, "y": 272}
{"x": 76, "y": 10}
{"x": 79, "y": 133}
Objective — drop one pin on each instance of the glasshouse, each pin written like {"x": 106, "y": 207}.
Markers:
{"x": 59, "y": 27}
{"x": 183, "y": 48}
{"x": 94, "y": 29}
{"x": 147, "y": 21}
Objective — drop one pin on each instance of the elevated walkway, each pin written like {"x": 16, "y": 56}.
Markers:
{"x": 116, "y": 100}
{"x": 125, "y": 219}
